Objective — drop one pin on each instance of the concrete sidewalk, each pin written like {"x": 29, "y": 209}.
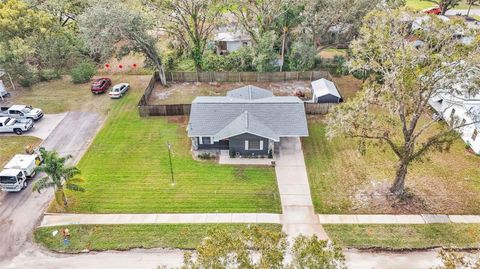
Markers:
{"x": 293, "y": 218}
{"x": 70, "y": 219}
{"x": 298, "y": 215}
{"x": 397, "y": 219}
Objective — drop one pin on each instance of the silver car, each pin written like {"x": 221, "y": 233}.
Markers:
{"x": 119, "y": 90}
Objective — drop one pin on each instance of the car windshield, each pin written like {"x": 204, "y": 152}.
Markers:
{"x": 8, "y": 180}
{"x": 27, "y": 109}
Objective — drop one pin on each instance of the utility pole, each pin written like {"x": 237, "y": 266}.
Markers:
{"x": 169, "y": 146}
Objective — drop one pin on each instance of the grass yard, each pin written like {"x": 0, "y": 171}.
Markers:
{"x": 62, "y": 95}
{"x": 423, "y": 4}
{"x": 330, "y": 53}
{"x": 395, "y": 236}
{"x": 123, "y": 237}
{"x": 348, "y": 86}
{"x": 12, "y": 145}
{"x": 126, "y": 170}
{"x": 344, "y": 181}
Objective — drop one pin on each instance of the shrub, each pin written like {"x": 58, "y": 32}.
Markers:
{"x": 48, "y": 74}
{"x": 83, "y": 72}
{"x": 27, "y": 79}
{"x": 205, "y": 156}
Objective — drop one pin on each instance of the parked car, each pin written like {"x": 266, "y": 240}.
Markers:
{"x": 433, "y": 10}
{"x": 21, "y": 112}
{"x": 101, "y": 85}
{"x": 18, "y": 126}
{"x": 119, "y": 90}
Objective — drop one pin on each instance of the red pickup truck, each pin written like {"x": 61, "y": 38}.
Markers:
{"x": 101, "y": 85}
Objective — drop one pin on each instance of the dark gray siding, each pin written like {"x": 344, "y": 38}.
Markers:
{"x": 327, "y": 99}
{"x": 223, "y": 144}
{"x": 237, "y": 144}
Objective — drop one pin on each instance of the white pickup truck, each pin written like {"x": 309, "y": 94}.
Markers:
{"x": 18, "y": 126}
{"x": 21, "y": 112}
{"x": 15, "y": 174}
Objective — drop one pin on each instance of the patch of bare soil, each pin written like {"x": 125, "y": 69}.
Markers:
{"x": 185, "y": 92}
{"x": 376, "y": 197}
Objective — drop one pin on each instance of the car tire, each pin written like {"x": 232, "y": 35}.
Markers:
{"x": 25, "y": 185}
{"x": 18, "y": 131}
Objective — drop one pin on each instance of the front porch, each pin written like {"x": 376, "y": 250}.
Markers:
{"x": 224, "y": 158}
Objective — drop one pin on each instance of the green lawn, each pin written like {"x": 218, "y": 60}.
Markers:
{"x": 62, "y": 95}
{"x": 405, "y": 236}
{"x": 123, "y": 237}
{"x": 126, "y": 170}
{"x": 421, "y": 4}
{"x": 343, "y": 181}
{"x": 11, "y": 145}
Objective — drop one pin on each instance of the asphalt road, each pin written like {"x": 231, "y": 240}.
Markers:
{"x": 152, "y": 258}
{"x": 21, "y": 212}
{"x": 473, "y": 11}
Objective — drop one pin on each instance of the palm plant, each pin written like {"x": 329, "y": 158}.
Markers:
{"x": 57, "y": 176}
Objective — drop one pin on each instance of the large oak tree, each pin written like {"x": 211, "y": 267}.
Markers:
{"x": 392, "y": 109}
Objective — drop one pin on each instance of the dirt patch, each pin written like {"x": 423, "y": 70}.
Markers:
{"x": 184, "y": 93}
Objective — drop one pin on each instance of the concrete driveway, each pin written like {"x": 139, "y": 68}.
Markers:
{"x": 21, "y": 212}
{"x": 43, "y": 127}
{"x": 298, "y": 216}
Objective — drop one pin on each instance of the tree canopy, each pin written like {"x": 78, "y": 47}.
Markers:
{"x": 392, "y": 108}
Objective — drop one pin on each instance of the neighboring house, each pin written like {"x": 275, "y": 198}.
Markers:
{"x": 248, "y": 121}
{"x": 325, "y": 91}
{"x": 463, "y": 110}
{"x": 228, "y": 41}
{"x": 422, "y": 23}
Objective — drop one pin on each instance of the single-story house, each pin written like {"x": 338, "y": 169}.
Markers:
{"x": 247, "y": 121}
{"x": 325, "y": 91}
{"x": 460, "y": 111}
{"x": 229, "y": 41}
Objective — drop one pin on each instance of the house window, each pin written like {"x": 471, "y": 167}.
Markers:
{"x": 452, "y": 115}
{"x": 206, "y": 140}
{"x": 254, "y": 144}
{"x": 474, "y": 135}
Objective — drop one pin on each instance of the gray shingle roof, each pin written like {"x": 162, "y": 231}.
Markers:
{"x": 225, "y": 116}
{"x": 249, "y": 92}
{"x": 246, "y": 123}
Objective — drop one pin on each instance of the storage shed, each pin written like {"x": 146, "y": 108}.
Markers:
{"x": 325, "y": 91}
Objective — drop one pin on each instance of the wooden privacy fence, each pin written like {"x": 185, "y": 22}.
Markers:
{"x": 165, "y": 110}
{"x": 146, "y": 110}
{"x": 318, "y": 109}
{"x": 245, "y": 76}
{"x": 184, "y": 109}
